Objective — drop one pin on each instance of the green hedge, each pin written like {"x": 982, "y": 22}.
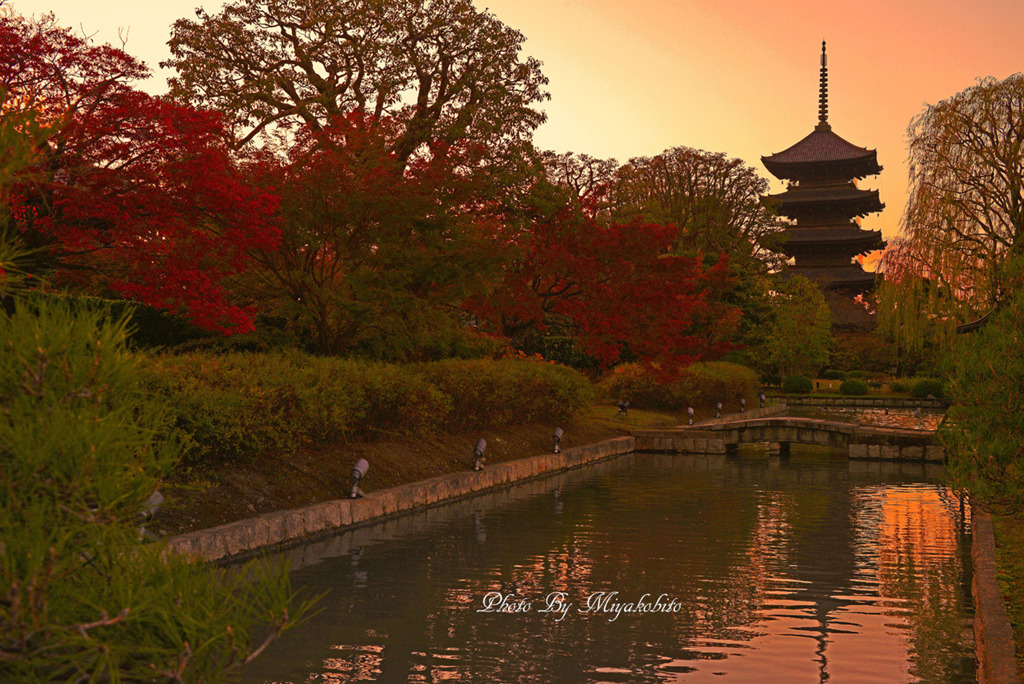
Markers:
{"x": 922, "y": 388}
{"x": 853, "y": 387}
{"x": 701, "y": 383}
{"x": 834, "y": 375}
{"x": 797, "y": 384}
{"x": 236, "y": 405}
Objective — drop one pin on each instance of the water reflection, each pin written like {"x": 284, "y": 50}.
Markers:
{"x": 809, "y": 570}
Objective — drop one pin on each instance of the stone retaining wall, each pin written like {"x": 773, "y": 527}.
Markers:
{"x": 770, "y": 410}
{"x": 993, "y": 636}
{"x": 895, "y": 452}
{"x": 283, "y": 528}
{"x": 863, "y": 402}
{"x": 688, "y": 442}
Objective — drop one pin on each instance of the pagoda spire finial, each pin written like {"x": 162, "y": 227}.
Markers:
{"x": 823, "y": 93}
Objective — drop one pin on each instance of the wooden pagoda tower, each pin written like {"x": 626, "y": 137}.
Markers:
{"x": 825, "y": 206}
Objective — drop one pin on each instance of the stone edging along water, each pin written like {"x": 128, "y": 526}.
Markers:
{"x": 993, "y": 636}
{"x": 861, "y": 402}
{"x": 290, "y": 527}
{"x": 284, "y": 529}
{"x": 281, "y": 529}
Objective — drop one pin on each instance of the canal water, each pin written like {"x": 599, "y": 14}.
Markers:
{"x": 652, "y": 568}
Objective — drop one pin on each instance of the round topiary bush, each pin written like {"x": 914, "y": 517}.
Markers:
{"x": 833, "y": 374}
{"x": 797, "y": 384}
{"x": 853, "y": 387}
{"x": 925, "y": 387}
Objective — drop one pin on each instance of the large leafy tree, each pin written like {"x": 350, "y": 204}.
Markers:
{"x": 714, "y": 200}
{"x": 799, "y": 335}
{"x": 375, "y": 255}
{"x": 447, "y": 70}
{"x": 131, "y": 194}
{"x": 614, "y": 289}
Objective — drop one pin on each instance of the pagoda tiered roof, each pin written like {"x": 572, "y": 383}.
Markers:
{"x": 823, "y": 200}
{"x": 852, "y": 277}
{"x": 842, "y": 199}
{"x": 823, "y": 154}
{"x": 835, "y": 235}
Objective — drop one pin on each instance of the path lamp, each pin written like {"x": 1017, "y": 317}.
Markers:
{"x": 478, "y": 454}
{"x": 718, "y": 410}
{"x": 623, "y": 407}
{"x": 743, "y": 405}
{"x": 358, "y": 473}
{"x": 557, "y": 438}
{"x": 689, "y": 413}
{"x": 149, "y": 508}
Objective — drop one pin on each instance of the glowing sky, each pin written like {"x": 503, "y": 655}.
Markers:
{"x": 634, "y": 77}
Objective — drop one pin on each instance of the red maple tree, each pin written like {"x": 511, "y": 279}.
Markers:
{"x": 133, "y": 194}
{"x": 615, "y": 288}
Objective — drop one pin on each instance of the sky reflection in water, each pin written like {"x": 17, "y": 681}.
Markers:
{"x": 801, "y": 571}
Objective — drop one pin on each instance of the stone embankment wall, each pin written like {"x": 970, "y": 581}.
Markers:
{"x": 863, "y": 402}
{"x": 993, "y": 636}
{"x": 895, "y": 452}
{"x": 282, "y": 528}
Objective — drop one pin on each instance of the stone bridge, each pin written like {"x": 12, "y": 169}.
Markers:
{"x": 859, "y": 441}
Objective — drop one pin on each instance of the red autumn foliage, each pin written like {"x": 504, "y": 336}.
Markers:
{"x": 615, "y": 289}
{"x": 376, "y": 251}
{"x": 133, "y": 194}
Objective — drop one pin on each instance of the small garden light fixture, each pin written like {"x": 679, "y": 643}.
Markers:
{"x": 358, "y": 473}
{"x": 478, "y": 454}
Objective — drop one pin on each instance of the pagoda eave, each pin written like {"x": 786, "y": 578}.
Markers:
{"x": 818, "y": 170}
{"x": 854, "y": 241}
{"x": 851, "y": 277}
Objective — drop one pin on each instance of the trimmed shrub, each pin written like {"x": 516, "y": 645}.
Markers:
{"x": 495, "y": 393}
{"x": 853, "y": 387}
{"x": 858, "y": 374}
{"x": 642, "y": 388}
{"x": 797, "y": 384}
{"x": 236, "y": 405}
{"x": 834, "y": 375}
{"x": 715, "y": 381}
{"x": 700, "y": 383}
{"x": 900, "y": 386}
{"x": 925, "y": 387}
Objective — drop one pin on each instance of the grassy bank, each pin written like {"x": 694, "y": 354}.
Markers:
{"x": 229, "y": 490}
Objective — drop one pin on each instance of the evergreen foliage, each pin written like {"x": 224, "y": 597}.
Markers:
{"x": 797, "y": 384}
{"x": 853, "y": 387}
{"x": 984, "y": 424}
{"x": 84, "y": 600}
{"x": 923, "y": 388}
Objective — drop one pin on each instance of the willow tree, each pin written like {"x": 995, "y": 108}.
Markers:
{"x": 964, "y": 217}
{"x": 965, "y": 213}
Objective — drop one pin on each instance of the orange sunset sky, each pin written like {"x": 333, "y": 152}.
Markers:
{"x": 634, "y": 77}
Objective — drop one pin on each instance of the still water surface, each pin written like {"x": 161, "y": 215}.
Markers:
{"x": 807, "y": 570}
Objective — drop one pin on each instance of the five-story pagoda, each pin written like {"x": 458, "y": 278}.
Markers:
{"x": 825, "y": 206}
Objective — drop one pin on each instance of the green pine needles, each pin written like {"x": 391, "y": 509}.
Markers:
{"x": 81, "y": 598}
